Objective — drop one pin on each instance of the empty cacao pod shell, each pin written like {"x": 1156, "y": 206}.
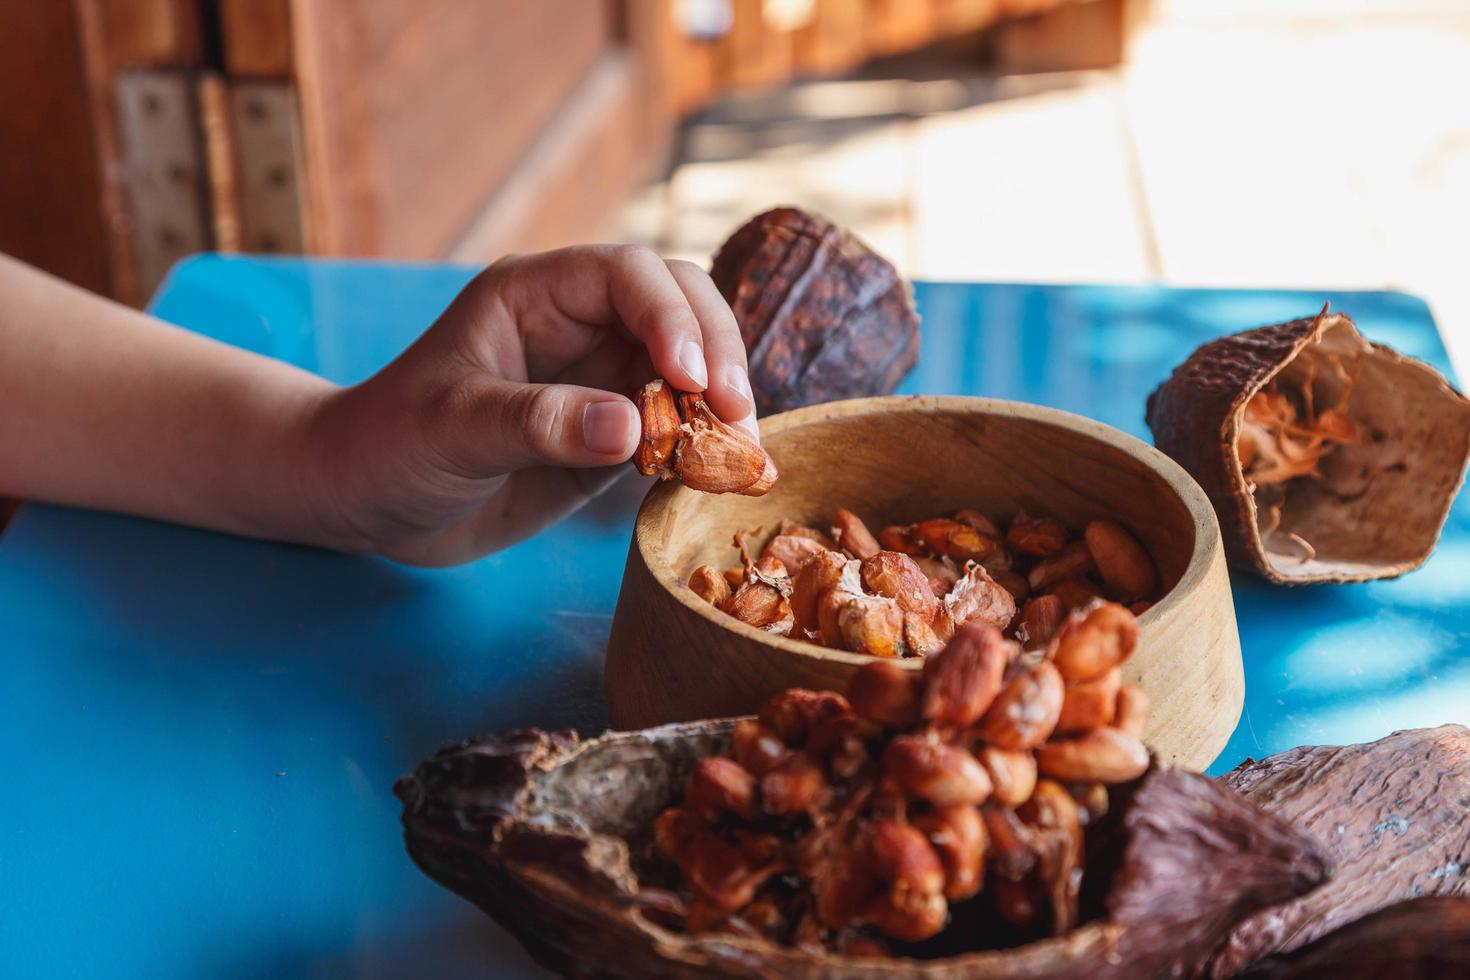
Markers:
{"x": 1392, "y": 814}
{"x": 823, "y": 316}
{"x": 1364, "y": 449}
{"x": 551, "y": 836}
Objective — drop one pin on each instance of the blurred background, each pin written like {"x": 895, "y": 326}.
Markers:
{"x": 1309, "y": 143}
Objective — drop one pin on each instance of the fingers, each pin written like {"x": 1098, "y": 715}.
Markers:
{"x": 671, "y": 308}
{"x": 484, "y": 427}
{"x": 724, "y": 352}
{"x": 653, "y": 307}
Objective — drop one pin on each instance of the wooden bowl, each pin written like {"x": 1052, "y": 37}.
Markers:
{"x": 674, "y": 657}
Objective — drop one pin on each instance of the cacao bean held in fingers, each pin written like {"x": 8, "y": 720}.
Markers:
{"x": 661, "y": 430}
{"x": 822, "y": 315}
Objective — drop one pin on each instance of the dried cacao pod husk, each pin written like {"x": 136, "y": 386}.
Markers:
{"x": 552, "y": 836}
{"x": 823, "y": 316}
{"x": 1377, "y": 507}
{"x": 1421, "y": 939}
{"x": 1393, "y": 815}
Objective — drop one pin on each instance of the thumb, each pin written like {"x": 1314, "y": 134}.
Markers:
{"x": 496, "y": 426}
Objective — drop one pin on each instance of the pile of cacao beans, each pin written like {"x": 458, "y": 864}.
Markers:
{"x": 851, "y": 824}
{"x": 904, "y": 592}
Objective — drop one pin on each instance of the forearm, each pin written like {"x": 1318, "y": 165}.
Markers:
{"x": 105, "y": 407}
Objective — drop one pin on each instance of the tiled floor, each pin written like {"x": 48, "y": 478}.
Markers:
{"x": 1261, "y": 142}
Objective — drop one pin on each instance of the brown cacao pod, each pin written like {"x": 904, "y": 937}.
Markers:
{"x": 551, "y": 836}
{"x": 1371, "y": 509}
{"x": 823, "y": 316}
{"x": 1392, "y": 815}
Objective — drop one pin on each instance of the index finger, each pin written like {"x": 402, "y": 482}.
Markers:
{"x": 625, "y": 287}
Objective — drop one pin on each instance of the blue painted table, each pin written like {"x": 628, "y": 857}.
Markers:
{"x": 201, "y": 732}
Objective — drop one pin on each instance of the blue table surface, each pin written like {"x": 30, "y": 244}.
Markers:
{"x": 202, "y": 731}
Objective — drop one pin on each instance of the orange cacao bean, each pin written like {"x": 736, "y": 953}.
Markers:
{"x": 961, "y": 681}
{"x": 795, "y": 785}
{"x": 886, "y": 693}
{"x": 939, "y": 773}
{"x": 1012, "y": 773}
{"x": 1122, "y": 563}
{"x": 794, "y": 712}
{"x": 720, "y": 785}
{"x": 1130, "y": 714}
{"x": 1093, "y": 641}
{"x": 1039, "y": 537}
{"x": 1026, "y": 710}
{"x": 1104, "y": 755}
{"x": 895, "y": 575}
{"x": 853, "y": 535}
{"x": 1072, "y": 560}
{"x": 1090, "y": 704}
{"x": 709, "y": 584}
{"x": 756, "y": 747}
{"x": 957, "y": 835}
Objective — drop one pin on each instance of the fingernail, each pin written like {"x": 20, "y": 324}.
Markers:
{"x": 738, "y": 383}
{"x": 691, "y": 359}
{"x": 749, "y": 424}
{"x": 609, "y": 427}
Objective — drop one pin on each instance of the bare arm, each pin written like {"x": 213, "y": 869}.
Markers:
{"x": 506, "y": 415}
{"x": 105, "y": 407}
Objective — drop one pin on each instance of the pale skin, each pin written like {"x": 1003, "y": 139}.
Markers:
{"x": 510, "y": 412}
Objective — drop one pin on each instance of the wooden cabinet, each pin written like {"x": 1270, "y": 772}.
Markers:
{"x": 135, "y": 132}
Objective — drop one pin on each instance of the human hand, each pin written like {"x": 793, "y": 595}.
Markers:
{"x": 513, "y": 409}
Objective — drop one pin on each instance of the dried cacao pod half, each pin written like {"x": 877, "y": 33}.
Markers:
{"x": 823, "y": 316}
{"x": 553, "y": 837}
{"x": 1422, "y": 939}
{"x": 1328, "y": 458}
{"x": 1393, "y": 815}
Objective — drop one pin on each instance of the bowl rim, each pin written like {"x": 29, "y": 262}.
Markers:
{"x": 1207, "y": 542}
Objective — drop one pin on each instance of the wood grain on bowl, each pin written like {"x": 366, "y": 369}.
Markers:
{"x": 673, "y": 657}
